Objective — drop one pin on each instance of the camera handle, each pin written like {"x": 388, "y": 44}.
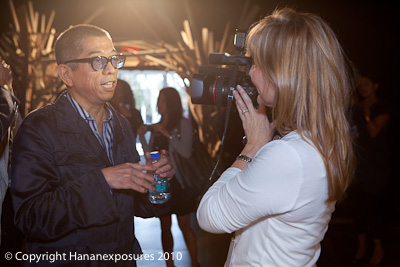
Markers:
{"x": 229, "y": 103}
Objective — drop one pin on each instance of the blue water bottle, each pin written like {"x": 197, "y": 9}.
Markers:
{"x": 162, "y": 192}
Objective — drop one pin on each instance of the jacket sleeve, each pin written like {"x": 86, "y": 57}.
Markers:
{"x": 49, "y": 204}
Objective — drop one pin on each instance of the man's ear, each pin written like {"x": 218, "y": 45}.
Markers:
{"x": 65, "y": 73}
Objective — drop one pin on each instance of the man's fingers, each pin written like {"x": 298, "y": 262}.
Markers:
{"x": 131, "y": 176}
{"x": 143, "y": 185}
{"x": 169, "y": 174}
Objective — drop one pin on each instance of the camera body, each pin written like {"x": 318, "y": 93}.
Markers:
{"x": 214, "y": 85}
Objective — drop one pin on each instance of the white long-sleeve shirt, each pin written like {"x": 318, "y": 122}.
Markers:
{"x": 276, "y": 205}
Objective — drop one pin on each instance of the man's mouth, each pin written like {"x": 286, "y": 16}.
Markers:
{"x": 108, "y": 85}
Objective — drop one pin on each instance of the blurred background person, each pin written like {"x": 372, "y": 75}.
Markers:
{"x": 175, "y": 133}
{"x": 124, "y": 102}
{"x": 371, "y": 116}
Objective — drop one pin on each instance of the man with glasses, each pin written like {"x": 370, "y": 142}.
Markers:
{"x": 75, "y": 169}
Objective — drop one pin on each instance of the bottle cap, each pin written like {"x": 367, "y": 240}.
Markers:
{"x": 155, "y": 155}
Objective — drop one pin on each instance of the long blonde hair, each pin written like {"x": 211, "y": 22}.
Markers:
{"x": 301, "y": 55}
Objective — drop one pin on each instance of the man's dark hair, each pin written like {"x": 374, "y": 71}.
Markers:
{"x": 69, "y": 44}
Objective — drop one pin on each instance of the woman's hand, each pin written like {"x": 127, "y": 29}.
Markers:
{"x": 258, "y": 129}
{"x": 142, "y": 130}
{"x": 160, "y": 128}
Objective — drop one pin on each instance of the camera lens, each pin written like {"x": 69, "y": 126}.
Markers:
{"x": 214, "y": 90}
{"x": 209, "y": 90}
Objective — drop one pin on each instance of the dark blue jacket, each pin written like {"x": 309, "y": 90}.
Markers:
{"x": 61, "y": 199}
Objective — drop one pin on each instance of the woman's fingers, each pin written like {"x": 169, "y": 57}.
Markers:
{"x": 243, "y": 101}
{"x": 246, "y": 98}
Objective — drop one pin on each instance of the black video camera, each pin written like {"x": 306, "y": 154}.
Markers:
{"x": 214, "y": 85}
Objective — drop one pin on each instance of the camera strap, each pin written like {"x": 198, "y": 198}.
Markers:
{"x": 229, "y": 103}
{"x": 211, "y": 180}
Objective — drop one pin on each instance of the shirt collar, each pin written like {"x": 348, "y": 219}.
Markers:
{"x": 84, "y": 114}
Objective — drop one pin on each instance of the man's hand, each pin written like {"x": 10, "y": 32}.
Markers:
{"x": 163, "y": 166}
{"x": 130, "y": 176}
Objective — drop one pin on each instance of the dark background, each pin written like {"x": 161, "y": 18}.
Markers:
{"x": 367, "y": 29}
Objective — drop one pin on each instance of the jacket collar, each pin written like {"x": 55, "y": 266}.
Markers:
{"x": 69, "y": 121}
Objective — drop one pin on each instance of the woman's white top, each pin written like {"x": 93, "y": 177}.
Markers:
{"x": 276, "y": 205}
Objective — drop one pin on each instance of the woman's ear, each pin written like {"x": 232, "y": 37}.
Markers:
{"x": 65, "y": 73}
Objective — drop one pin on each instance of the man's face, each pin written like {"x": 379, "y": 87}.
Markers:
{"x": 90, "y": 87}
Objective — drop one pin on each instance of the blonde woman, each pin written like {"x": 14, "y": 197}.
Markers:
{"x": 278, "y": 196}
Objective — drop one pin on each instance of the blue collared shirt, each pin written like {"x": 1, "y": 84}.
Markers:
{"x": 106, "y": 139}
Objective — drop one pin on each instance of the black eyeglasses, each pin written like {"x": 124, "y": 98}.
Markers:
{"x": 100, "y": 62}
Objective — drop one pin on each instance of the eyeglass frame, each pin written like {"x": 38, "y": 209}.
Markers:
{"x": 92, "y": 59}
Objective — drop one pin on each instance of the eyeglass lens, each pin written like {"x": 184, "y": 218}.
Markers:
{"x": 100, "y": 63}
